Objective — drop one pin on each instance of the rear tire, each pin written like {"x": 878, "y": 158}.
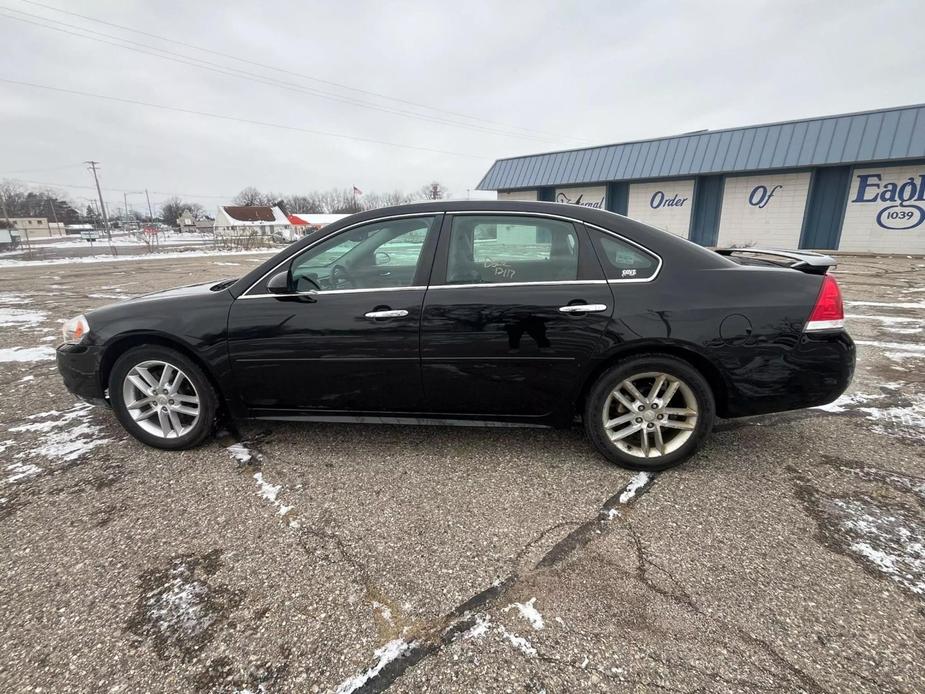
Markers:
{"x": 162, "y": 398}
{"x": 649, "y": 412}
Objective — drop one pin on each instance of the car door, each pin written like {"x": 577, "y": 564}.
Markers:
{"x": 516, "y": 308}
{"x": 346, "y": 339}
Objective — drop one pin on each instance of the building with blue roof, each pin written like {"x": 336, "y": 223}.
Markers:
{"x": 853, "y": 182}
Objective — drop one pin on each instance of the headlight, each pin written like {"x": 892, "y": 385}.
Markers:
{"x": 75, "y": 330}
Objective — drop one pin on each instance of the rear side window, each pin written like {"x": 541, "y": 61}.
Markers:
{"x": 491, "y": 249}
{"x": 621, "y": 259}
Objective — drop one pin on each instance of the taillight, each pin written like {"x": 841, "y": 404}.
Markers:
{"x": 829, "y": 312}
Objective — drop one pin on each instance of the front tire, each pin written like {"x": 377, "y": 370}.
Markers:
{"x": 162, "y": 398}
{"x": 649, "y": 412}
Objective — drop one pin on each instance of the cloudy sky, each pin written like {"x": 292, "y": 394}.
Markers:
{"x": 390, "y": 95}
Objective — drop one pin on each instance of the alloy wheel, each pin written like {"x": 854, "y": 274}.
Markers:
{"x": 161, "y": 399}
{"x": 649, "y": 415}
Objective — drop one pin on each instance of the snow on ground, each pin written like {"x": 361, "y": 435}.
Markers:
{"x": 637, "y": 482}
{"x": 268, "y": 491}
{"x": 888, "y": 541}
{"x": 23, "y": 354}
{"x": 887, "y": 304}
{"x": 909, "y": 347}
{"x": 20, "y": 317}
{"x": 519, "y": 642}
{"x": 528, "y": 612}
{"x": 147, "y": 256}
{"x": 386, "y": 654}
{"x": 63, "y": 436}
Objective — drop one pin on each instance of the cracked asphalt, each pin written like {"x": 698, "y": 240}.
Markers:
{"x": 787, "y": 556}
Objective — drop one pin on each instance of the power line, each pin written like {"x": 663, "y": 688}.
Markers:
{"x": 45, "y": 168}
{"x": 290, "y": 72}
{"x": 251, "y": 76}
{"x": 237, "y": 119}
{"x": 117, "y": 190}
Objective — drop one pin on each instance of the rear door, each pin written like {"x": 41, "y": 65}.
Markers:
{"x": 348, "y": 341}
{"x": 516, "y": 309}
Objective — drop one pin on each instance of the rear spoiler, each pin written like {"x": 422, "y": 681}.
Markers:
{"x": 805, "y": 261}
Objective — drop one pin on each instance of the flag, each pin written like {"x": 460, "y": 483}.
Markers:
{"x": 357, "y": 191}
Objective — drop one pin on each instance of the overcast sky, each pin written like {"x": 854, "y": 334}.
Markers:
{"x": 464, "y": 83}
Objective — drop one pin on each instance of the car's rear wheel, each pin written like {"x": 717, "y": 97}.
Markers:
{"x": 649, "y": 413}
{"x": 162, "y": 398}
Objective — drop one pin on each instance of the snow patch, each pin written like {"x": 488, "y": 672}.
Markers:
{"x": 20, "y": 317}
{"x": 121, "y": 258}
{"x": 24, "y": 354}
{"x": 884, "y": 304}
{"x": 910, "y": 347}
{"x": 528, "y": 612}
{"x": 265, "y": 489}
{"x": 889, "y": 541}
{"x": 241, "y": 453}
{"x": 843, "y": 402}
{"x": 386, "y": 654}
{"x": 58, "y": 441}
{"x": 883, "y": 319}
{"x": 637, "y": 482}
{"x": 479, "y": 629}
{"x": 519, "y": 642}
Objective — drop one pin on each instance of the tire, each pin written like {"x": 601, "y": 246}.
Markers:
{"x": 679, "y": 432}
{"x": 192, "y": 392}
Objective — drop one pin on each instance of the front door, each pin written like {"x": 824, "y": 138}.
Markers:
{"x": 516, "y": 309}
{"x": 347, "y": 340}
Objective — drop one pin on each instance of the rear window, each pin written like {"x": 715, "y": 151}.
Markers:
{"x": 623, "y": 260}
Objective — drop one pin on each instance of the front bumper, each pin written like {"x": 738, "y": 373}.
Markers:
{"x": 79, "y": 366}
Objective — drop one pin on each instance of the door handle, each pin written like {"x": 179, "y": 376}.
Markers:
{"x": 583, "y": 308}
{"x": 390, "y": 313}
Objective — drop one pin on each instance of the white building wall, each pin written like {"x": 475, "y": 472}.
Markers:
{"x": 522, "y": 195}
{"x": 663, "y": 205}
{"x": 885, "y": 211}
{"x": 586, "y": 196}
{"x": 765, "y": 210}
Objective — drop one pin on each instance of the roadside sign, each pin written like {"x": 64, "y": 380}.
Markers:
{"x": 91, "y": 235}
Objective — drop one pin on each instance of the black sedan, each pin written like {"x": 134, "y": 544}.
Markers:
{"x": 460, "y": 312}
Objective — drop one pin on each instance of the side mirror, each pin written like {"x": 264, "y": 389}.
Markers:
{"x": 279, "y": 283}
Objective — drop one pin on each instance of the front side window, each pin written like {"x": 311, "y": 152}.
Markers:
{"x": 503, "y": 248}
{"x": 623, "y": 260}
{"x": 378, "y": 255}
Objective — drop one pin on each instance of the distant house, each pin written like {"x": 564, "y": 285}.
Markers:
{"x": 304, "y": 224}
{"x": 186, "y": 221}
{"x": 231, "y": 220}
{"x": 37, "y": 227}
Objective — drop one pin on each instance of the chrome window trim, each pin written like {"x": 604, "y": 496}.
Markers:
{"x": 514, "y": 284}
{"x": 245, "y": 295}
{"x": 325, "y": 292}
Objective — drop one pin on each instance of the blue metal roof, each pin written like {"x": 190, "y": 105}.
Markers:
{"x": 871, "y": 136}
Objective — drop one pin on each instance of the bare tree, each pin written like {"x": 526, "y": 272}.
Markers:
{"x": 250, "y": 196}
{"x": 433, "y": 191}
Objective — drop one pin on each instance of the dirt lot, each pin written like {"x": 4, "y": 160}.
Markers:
{"x": 787, "y": 556}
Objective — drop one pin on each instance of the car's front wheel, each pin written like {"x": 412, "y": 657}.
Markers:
{"x": 649, "y": 413}
{"x": 162, "y": 398}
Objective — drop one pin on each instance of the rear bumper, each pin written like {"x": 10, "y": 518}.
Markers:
{"x": 814, "y": 372}
{"x": 79, "y": 366}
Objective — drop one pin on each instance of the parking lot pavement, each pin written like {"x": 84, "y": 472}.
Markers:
{"x": 787, "y": 556}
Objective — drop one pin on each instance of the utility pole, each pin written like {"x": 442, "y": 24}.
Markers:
{"x": 150, "y": 213}
{"x": 92, "y": 164}
{"x": 54, "y": 213}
